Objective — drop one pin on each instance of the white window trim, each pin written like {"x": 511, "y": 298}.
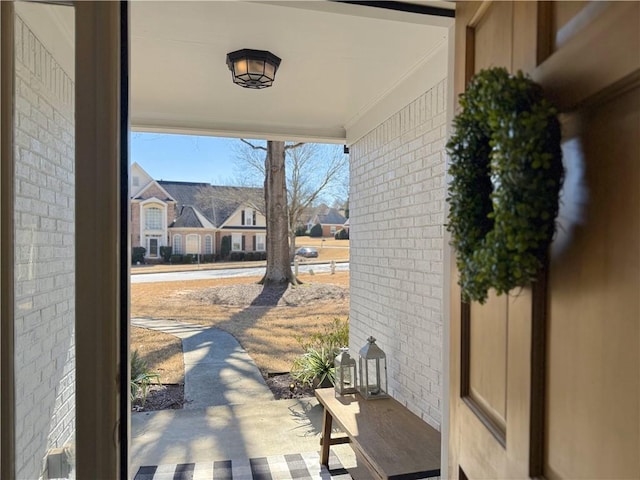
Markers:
{"x": 150, "y": 203}
{"x": 235, "y": 236}
{"x": 189, "y": 237}
{"x": 208, "y": 239}
{"x": 261, "y": 238}
{"x": 177, "y": 237}
{"x": 248, "y": 217}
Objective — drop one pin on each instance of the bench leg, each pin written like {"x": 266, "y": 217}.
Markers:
{"x": 327, "y": 420}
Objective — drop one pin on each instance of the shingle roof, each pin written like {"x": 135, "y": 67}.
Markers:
{"x": 191, "y": 217}
{"x": 215, "y": 203}
{"x": 332, "y": 217}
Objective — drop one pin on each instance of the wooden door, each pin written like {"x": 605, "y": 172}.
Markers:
{"x": 545, "y": 381}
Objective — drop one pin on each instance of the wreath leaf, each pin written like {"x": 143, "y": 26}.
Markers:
{"x": 506, "y": 168}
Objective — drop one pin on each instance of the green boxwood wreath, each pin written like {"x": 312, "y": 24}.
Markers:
{"x": 506, "y": 168}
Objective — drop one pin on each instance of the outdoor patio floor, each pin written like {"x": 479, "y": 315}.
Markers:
{"x": 251, "y": 430}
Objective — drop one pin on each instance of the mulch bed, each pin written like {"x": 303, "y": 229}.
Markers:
{"x": 171, "y": 396}
{"x": 251, "y": 294}
{"x": 161, "y": 397}
{"x": 283, "y": 386}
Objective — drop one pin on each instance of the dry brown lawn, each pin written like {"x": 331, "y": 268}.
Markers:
{"x": 267, "y": 333}
{"x": 161, "y": 351}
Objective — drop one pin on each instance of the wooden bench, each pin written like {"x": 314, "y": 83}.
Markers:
{"x": 388, "y": 439}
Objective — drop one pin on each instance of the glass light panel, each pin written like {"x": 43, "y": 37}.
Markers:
{"x": 240, "y": 67}
{"x": 256, "y": 67}
{"x": 270, "y": 71}
{"x": 345, "y": 369}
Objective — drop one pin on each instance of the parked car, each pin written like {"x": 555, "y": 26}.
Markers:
{"x": 307, "y": 252}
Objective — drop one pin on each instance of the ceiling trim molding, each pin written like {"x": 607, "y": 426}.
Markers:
{"x": 364, "y": 10}
{"x": 405, "y": 7}
{"x": 334, "y": 136}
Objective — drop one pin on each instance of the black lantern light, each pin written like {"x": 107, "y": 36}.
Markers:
{"x": 253, "y": 68}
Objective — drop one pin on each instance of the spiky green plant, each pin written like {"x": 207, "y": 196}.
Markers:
{"x": 314, "y": 367}
{"x": 141, "y": 378}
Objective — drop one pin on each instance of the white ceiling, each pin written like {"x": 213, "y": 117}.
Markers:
{"x": 339, "y": 61}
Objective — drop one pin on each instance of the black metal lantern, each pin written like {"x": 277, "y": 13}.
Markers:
{"x": 373, "y": 371}
{"x": 346, "y": 378}
{"x": 253, "y": 68}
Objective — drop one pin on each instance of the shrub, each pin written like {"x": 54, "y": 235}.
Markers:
{"x": 301, "y": 231}
{"x": 236, "y": 256}
{"x": 137, "y": 255}
{"x": 207, "y": 258}
{"x": 342, "y": 234}
{"x": 249, "y": 256}
{"x": 165, "y": 253}
{"x": 316, "y": 231}
{"x": 225, "y": 246}
{"x": 333, "y": 337}
{"x": 320, "y": 349}
{"x": 141, "y": 378}
{"x": 175, "y": 259}
{"x": 188, "y": 258}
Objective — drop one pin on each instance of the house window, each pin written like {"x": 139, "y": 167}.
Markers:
{"x": 136, "y": 181}
{"x": 236, "y": 242}
{"x": 153, "y": 218}
{"x": 260, "y": 243}
{"x": 208, "y": 245}
{"x": 177, "y": 244}
{"x": 249, "y": 217}
{"x": 193, "y": 243}
{"x": 333, "y": 230}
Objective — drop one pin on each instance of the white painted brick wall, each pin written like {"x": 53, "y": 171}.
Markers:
{"x": 44, "y": 257}
{"x": 397, "y": 200}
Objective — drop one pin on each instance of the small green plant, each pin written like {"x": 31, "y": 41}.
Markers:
{"x": 141, "y": 378}
{"x": 165, "y": 253}
{"x": 137, "y": 255}
{"x": 315, "y": 367}
{"x": 342, "y": 234}
{"x": 316, "y": 231}
{"x": 225, "y": 246}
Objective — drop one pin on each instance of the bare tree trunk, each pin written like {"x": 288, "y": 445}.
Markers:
{"x": 277, "y": 213}
{"x": 292, "y": 244}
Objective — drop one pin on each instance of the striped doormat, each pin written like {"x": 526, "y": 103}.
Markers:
{"x": 299, "y": 466}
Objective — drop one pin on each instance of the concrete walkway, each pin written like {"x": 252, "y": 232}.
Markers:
{"x": 217, "y": 370}
{"x": 230, "y": 412}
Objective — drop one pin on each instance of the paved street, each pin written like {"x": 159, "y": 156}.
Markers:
{"x": 226, "y": 273}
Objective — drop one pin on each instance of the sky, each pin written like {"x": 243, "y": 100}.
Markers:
{"x": 184, "y": 158}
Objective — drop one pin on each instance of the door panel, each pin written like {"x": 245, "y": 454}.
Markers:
{"x": 493, "y": 36}
{"x": 488, "y": 358}
{"x": 593, "y": 317}
{"x": 545, "y": 382}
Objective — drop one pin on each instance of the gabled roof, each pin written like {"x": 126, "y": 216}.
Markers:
{"x": 332, "y": 217}
{"x": 190, "y": 217}
{"x": 140, "y": 196}
{"x": 214, "y": 204}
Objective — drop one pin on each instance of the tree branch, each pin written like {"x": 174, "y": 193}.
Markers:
{"x": 295, "y": 145}
{"x": 255, "y": 147}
